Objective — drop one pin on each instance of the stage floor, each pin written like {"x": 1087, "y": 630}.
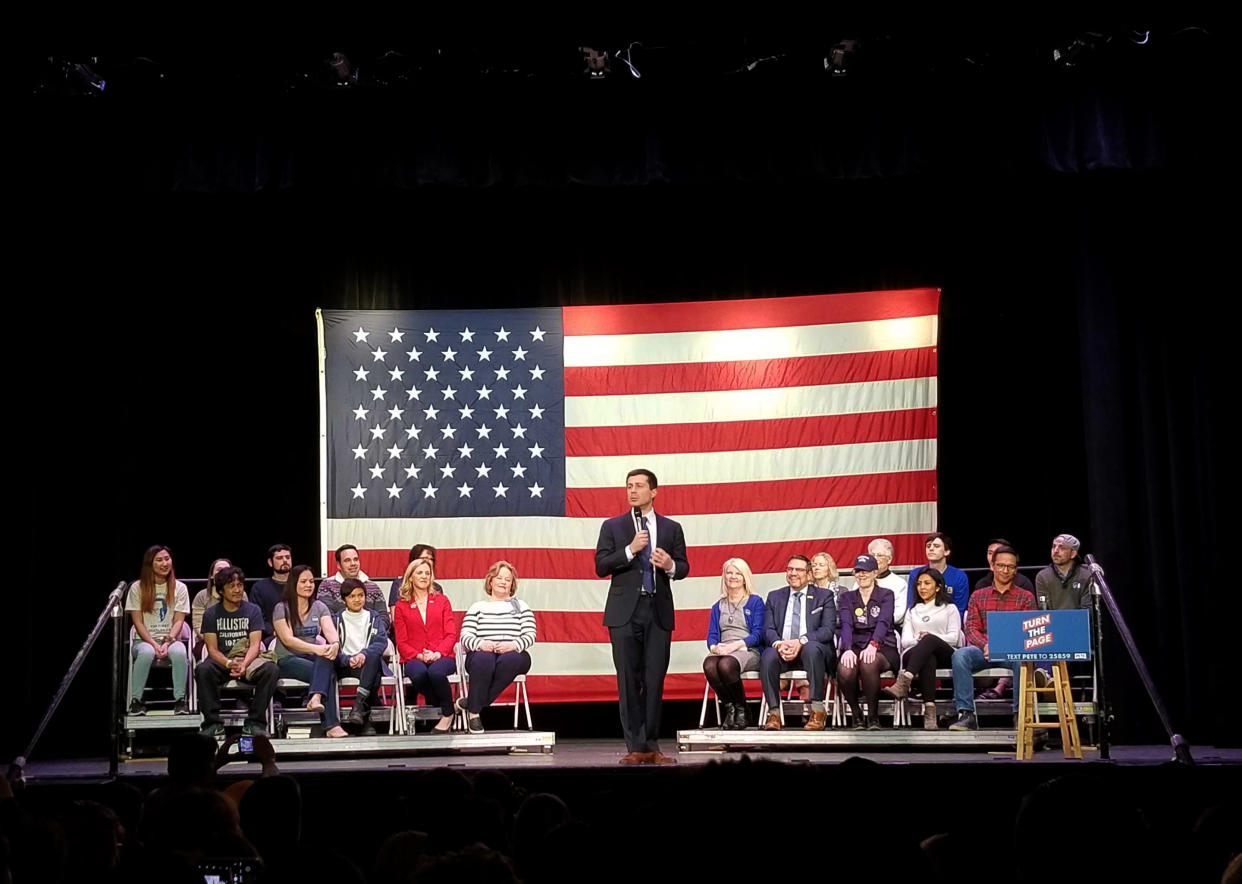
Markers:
{"x": 604, "y": 754}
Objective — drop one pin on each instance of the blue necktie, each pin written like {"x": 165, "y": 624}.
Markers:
{"x": 645, "y": 557}
{"x": 795, "y": 625}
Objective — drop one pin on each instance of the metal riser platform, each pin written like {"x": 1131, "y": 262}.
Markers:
{"x": 843, "y": 740}
{"x": 541, "y": 742}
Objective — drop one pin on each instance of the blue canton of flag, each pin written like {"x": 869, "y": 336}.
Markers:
{"x": 444, "y": 413}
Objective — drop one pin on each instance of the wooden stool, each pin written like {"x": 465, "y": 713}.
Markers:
{"x": 1028, "y": 697}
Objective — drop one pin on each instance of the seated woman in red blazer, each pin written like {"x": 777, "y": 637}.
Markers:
{"x": 426, "y": 633}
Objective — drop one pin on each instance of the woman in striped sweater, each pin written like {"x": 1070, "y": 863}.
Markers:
{"x": 497, "y": 633}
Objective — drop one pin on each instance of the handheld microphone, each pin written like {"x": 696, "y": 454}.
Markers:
{"x": 638, "y": 518}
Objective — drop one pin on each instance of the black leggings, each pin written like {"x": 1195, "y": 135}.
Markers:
{"x": 868, "y": 674}
{"x": 922, "y": 661}
{"x": 724, "y": 674}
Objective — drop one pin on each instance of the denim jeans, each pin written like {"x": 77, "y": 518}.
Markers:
{"x": 144, "y": 656}
{"x": 966, "y": 662}
{"x": 320, "y": 674}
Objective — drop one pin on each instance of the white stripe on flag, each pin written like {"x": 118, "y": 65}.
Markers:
{"x": 696, "y": 468}
{"x": 750, "y": 405}
{"x": 588, "y": 658}
{"x": 736, "y": 345}
{"x": 587, "y": 596}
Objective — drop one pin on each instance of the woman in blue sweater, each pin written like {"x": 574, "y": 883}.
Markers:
{"x": 734, "y": 632}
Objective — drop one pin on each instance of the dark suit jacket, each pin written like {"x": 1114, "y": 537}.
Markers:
{"x": 627, "y": 577}
{"x": 821, "y": 615}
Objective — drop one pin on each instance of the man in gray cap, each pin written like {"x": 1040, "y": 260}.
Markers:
{"x": 1063, "y": 584}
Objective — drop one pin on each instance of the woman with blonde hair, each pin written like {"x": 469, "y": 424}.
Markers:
{"x": 426, "y": 634}
{"x": 497, "y": 634}
{"x": 734, "y": 633}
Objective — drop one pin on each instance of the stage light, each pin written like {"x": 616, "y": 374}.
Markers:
{"x": 346, "y": 74}
{"x": 598, "y": 64}
{"x": 840, "y": 57}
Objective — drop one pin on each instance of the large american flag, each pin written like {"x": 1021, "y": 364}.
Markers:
{"x": 775, "y": 426}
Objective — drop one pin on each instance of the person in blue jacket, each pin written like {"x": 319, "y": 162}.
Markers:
{"x": 364, "y": 639}
{"x": 734, "y": 634}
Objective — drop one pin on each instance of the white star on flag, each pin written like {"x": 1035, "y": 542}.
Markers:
{"x": 501, "y": 412}
{"x": 361, "y": 374}
{"x": 395, "y": 336}
{"x": 519, "y": 471}
{"x": 413, "y": 393}
{"x": 447, "y": 432}
{"x": 413, "y": 353}
{"x": 483, "y": 393}
{"x": 466, "y": 335}
{"x": 449, "y": 392}
{"x": 467, "y": 374}
{"x": 396, "y": 374}
{"x": 412, "y": 432}
{"x": 411, "y": 472}
{"x": 378, "y": 393}
{"x": 361, "y": 336}
{"x": 395, "y": 413}
{"x": 395, "y": 452}
{"x": 483, "y": 431}
{"x": 447, "y": 471}
{"x": 465, "y": 451}
{"x": 536, "y": 412}
{"x": 502, "y": 335}
{"x": 519, "y": 432}
{"x": 429, "y": 490}
{"x": 536, "y": 490}
{"x": 537, "y": 373}
{"x": 359, "y": 491}
{"x": 393, "y": 491}
{"x": 377, "y": 472}
{"x": 377, "y": 432}
{"x": 430, "y": 412}
{"x": 463, "y": 490}
{"x": 377, "y": 355}
{"x": 432, "y": 374}
{"x": 537, "y": 334}
{"x": 359, "y": 453}
{"x": 466, "y": 412}
{"x": 485, "y": 355}
{"x": 519, "y": 392}
{"x": 483, "y": 471}
{"x": 501, "y": 491}
{"x": 361, "y": 413}
{"x": 520, "y": 354}
{"x": 429, "y": 453}
{"x": 536, "y": 450}
{"x": 502, "y": 373}
{"x": 449, "y": 355}
{"x": 431, "y": 335}
{"x": 501, "y": 451}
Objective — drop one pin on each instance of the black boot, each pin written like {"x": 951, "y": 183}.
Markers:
{"x": 726, "y": 715}
{"x": 860, "y": 722}
{"x": 361, "y": 711}
{"x": 739, "y": 706}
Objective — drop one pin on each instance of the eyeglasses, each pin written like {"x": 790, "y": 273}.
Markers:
{"x": 996, "y": 567}
{"x": 796, "y": 570}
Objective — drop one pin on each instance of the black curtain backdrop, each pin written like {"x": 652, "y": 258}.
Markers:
{"x": 171, "y": 250}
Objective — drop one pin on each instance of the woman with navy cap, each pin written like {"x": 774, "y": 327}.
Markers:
{"x": 868, "y": 639}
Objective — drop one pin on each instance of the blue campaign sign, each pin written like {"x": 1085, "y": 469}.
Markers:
{"x": 1022, "y": 636}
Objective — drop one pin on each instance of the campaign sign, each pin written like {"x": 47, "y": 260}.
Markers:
{"x": 1021, "y": 636}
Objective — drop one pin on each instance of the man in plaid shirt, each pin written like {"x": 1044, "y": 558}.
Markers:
{"x": 1002, "y": 595}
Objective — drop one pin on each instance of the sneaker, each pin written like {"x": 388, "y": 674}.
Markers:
{"x": 254, "y": 730}
{"x": 137, "y": 707}
{"x": 181, "y": 707}
{"x": 1041, "y": 679}
{"x": 966, "y": 721}
{"x": 212, "y": 730}
{"x": 873, "y": 724}
{"x": 474, "y": 724}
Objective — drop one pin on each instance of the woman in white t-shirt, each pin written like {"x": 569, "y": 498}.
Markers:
{"x": 932, "y": 630}
{"x": 158, "y": 622}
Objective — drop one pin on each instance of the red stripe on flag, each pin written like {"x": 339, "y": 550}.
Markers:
{"x": 632, "y": 319}
{"x": 791, "y": 432}
{"x": 768, "y": 496}
{"x": 579, "y": 564}
{"x": 754, "y": 374}
{"x": 603, "y": 688}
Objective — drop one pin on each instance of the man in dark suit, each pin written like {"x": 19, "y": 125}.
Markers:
{"x": 642, "y": 554}
{"x": 799, "y": 633}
